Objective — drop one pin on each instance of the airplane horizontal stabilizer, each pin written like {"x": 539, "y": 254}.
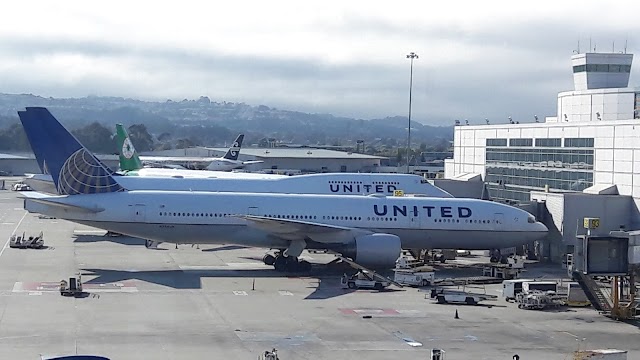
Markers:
{"x": 299, "y": 229}
{"x": 54, "y": 201}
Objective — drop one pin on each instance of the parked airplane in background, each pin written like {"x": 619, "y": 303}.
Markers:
{"x": 371, "y": 230}
{"x": 229, "y": 161}
{"x": 202, "y": 180}
{"x": 131, "y": 163}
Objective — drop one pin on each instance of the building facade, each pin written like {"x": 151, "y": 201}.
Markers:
{"x": 593, "y": 139}
{"x": 591, "y": 143}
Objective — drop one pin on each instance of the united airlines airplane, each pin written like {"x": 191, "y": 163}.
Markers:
{"x": 371, "y": 230}
{"x": 46, "y": 146}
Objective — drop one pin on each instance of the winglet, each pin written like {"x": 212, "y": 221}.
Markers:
{"x": 234, "y": 150}
{"x": 129, "y": 159}
{"x": 74, "y": 169}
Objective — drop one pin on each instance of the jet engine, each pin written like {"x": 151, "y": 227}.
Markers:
{"x": 375, "y": 250}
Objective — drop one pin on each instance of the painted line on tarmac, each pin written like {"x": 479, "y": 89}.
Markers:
{"x": 13, "y": 233}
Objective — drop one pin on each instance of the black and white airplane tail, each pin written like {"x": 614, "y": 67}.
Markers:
{"x": 234, "y": 150}
{"x": 74, "y": 169}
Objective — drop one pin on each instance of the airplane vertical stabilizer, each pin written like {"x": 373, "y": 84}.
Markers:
{"x": 234, "y": 150}
{"x": 74, "y": 169}
{"x": 129, "y": 159}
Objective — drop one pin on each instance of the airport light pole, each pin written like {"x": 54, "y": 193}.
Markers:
{"x": 411, "y": 56}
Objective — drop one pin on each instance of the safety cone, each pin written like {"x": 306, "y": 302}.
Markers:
{"x": 456, "y": 317}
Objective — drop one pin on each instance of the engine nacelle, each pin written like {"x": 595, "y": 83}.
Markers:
{"x": 375, "y": 250}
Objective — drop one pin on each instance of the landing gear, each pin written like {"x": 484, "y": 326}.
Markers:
{"x": 150, "y": 244}
{"x": 495, "y": 255}
{"x": 498, "y": 257}
{"x": 269, "y": 259}
{"x": 286, "y": 263}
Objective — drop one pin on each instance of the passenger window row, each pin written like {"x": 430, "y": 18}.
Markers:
{"x": 182, "y": 214}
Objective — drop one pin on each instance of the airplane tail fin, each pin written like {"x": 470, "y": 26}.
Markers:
{"x": 129, "y": 159}
{"x": 234, "y": 150}
{"x": 74, "y": 169}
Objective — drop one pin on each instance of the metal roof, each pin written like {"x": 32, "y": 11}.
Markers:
{"x": 299, "y": 153}
{"x": 14, "y": 157}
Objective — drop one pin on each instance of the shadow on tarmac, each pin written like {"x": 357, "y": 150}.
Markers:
{"x": 327, "y": 276}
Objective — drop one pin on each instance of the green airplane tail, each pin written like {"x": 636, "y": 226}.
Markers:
{"x": 129, "y": 159}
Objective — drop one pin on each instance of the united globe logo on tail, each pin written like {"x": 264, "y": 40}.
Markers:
{"x": 81, "y": 173}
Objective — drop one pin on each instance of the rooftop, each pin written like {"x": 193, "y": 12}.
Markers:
{"x": 298, "y": 153}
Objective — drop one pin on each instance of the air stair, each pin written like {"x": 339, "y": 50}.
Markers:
{"x": 595, "y": 293}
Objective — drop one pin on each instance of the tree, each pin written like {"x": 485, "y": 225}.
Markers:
{"x": 187, "y": 143}
{"x": 140, "y": 137}
{"x": 96, "y": 138}
{"x": 14, "y": 138}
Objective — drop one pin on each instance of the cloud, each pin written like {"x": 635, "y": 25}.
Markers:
{"x": 476, "y": 60}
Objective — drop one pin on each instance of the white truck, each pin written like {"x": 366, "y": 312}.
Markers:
{"x": 511, "y": 288}
{"x": 462, "y": 297}
{"x": 364, "y": 280}
{"x": 414, "y": 278}
{"x": 407, "y": 274}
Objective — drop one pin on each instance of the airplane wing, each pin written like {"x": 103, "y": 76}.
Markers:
{"x": 290, "y": 229}
{"x": 53, "y": 201}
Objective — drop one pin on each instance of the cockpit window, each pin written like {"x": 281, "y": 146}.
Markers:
{"x": 531, "y": 220}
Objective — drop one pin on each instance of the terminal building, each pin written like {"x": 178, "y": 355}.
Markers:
{"x": 582, "y": 162}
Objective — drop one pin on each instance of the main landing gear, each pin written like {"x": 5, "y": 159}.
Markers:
{"x": 286, "y": 263}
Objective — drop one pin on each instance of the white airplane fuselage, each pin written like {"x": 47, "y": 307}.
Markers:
{"x": 211, "y": 218}
{"x": 222, "y": 164}
{"x": 329, "y": 183}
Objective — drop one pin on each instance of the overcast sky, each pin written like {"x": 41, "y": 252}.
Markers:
{"x": 477, "y": 59}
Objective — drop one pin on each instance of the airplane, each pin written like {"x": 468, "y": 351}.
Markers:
{"x": 204, "y": 180}
{"x": 229, "y": 161}
{"x": 371, "y": 230}
{"x": 131, "y": 163}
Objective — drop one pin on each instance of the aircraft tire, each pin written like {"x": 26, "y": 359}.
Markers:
{"x": 291, "y": 264}
{"x": 269, "y": 259}
{"x": 304, "y": 266}
{"x": 280, "y": 263}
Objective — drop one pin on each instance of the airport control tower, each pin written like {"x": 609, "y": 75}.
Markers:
{"x": 601, "y": 70}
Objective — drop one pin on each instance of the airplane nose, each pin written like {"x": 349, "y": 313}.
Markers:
{"x": 540, "y": 227}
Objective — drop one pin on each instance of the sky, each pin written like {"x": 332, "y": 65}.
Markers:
{"x": 477, "y": 59}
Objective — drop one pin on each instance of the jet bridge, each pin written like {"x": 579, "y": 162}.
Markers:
{"x": 601, "y": 265}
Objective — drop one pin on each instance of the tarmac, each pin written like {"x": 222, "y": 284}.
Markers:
{"x": 221, "y": 302}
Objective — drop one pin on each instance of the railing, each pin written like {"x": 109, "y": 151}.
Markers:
{"x": 594, "y": 293}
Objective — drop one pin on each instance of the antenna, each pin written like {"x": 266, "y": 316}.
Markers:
{"x": 578, "y": 46}
{"x": 625, "y": 46}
